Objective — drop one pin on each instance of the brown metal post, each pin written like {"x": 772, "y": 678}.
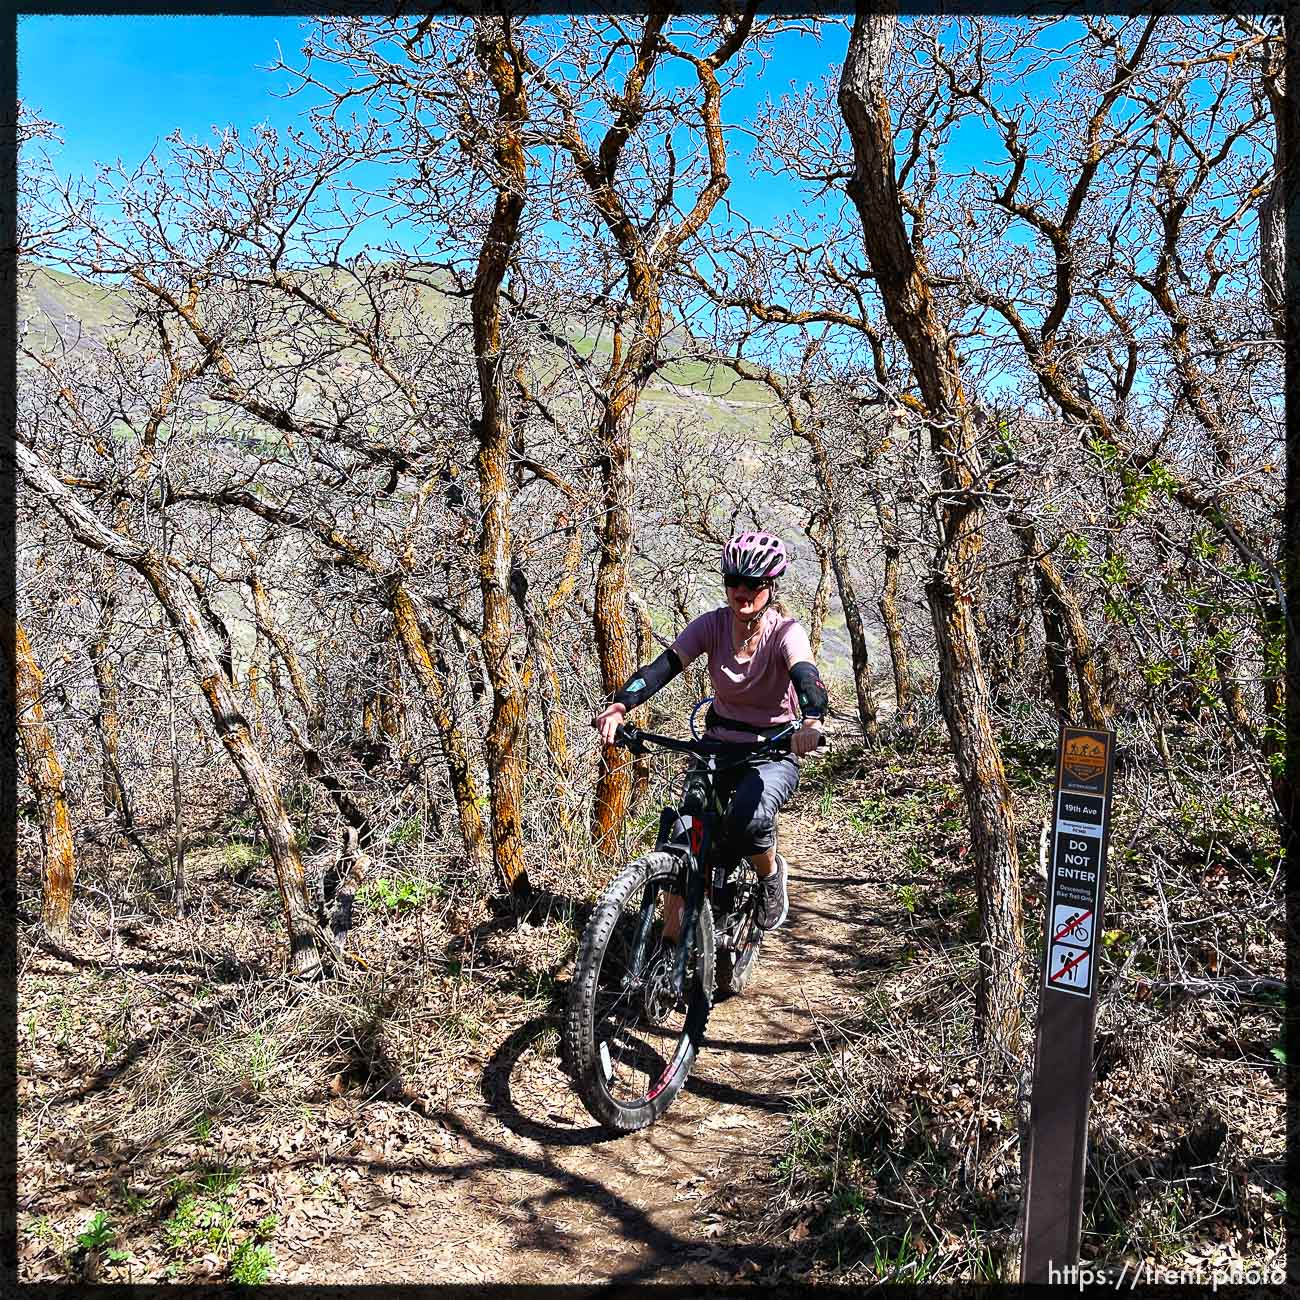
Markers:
{"x": 1062, "y": 1085}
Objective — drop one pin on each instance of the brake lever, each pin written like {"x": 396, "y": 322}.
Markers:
{"x": 630, "y": 738}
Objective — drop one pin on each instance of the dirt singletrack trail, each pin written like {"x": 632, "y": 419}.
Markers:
{"x": 528, "y": 1188}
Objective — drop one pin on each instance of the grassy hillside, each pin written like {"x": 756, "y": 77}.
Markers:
{"x": 54, "y": 305}
{"x": 74, "y": 308}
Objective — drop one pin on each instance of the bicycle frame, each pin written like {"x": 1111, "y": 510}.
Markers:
{"x": 699, "y": 810}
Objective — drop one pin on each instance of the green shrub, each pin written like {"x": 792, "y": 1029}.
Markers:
{"x": 400, "y": 893}
{"x": 98, "y": 1233}
{"x": 406, "y": 833}
{"x": 251, "y": 1264}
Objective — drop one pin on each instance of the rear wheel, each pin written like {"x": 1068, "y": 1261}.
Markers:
{"x": 629, "y": 1042}
{"x": 738, "y": 963}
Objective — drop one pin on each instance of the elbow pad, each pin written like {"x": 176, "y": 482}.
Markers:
{"x": 646, "y": 681}
{"x": 813, "y": 700}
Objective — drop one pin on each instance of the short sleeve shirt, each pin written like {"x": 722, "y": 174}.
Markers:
{"x": 759, "y": 690}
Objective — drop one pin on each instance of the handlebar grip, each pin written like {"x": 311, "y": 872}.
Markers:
{"x": 629, "y": 737}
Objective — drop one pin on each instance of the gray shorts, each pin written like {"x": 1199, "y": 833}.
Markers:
{"x": 758, "y": 791}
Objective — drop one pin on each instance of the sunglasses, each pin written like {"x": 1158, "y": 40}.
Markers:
{"x": 754, "y": 584}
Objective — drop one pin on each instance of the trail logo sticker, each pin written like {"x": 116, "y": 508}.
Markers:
{"x": 1085, "y": 758}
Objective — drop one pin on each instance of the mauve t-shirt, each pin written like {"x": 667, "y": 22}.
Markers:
{"x": 758, "y": 691}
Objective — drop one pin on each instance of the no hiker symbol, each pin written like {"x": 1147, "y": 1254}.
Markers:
{"x": 1069, "y": 967}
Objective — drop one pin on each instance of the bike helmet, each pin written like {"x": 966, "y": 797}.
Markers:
{"x": 754, "y": 555}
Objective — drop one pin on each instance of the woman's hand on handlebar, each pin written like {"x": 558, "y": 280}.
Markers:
{"x": 609, "y": 721}
{"x": 808, "y": 737}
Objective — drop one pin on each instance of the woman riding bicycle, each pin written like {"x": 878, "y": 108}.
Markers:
{"x": 761, "y": 666}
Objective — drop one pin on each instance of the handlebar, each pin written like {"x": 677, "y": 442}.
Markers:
{"x": 636, "y": 740}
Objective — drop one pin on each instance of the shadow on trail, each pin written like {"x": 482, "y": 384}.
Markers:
{"x": 636, "y": 1223}
{"x": 831, "y": 882}
{"x": 222, "y": 968}
{"x": 759, "y": 1049}
{"x": 540, "y": 906}
{"x": 725, "y": 1094}
{"x": 134, "y": 1051}
{"x": 496, "y": 1091}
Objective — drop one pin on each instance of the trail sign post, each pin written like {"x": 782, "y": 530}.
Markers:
{"x": 1058, "y": 1106}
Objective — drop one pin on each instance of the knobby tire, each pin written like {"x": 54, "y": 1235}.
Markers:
{"x": 737, "y": 966}
{"x": 649, "y": 1048}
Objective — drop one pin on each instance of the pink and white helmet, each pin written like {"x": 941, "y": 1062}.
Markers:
{"x": 754, "y": 555}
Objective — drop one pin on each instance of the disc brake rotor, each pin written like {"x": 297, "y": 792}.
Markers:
{"x": 659, "y": 995}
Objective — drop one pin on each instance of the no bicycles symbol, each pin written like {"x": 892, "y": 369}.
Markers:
{"x": 1071, "y": 925}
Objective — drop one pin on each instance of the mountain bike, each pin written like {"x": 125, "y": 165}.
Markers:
{"x": 638, "y": 1002}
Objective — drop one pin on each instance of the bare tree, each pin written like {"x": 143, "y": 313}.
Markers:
{"x": 914, "y": 315}
{"x": 645, "y": 249}
{"x": 177, "y": 599}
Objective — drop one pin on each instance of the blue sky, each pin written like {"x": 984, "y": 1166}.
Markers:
{"x": 117, "y": 86}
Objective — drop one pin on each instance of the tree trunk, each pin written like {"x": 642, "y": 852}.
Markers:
{"x": 913, "y": 316}
{"x": 1221, "y": 637}
{"x": 178, "y": 802}
{"x": 867, "y": 715}
{"x": 178, "y": 599}
{"x": 838, "y": 551}
{"x": 1056, "y": 672}
{"x": 45, "y": 772}
{"x": 540, "y": 666}
{"x": 108, "y": 722}
{"x": 416, "y": 638}
{"x": 339, "y": 883}
{"x": 646, "y": 255}
{"x": 609, "y": 616}
{"x": 541, "y": 669}
{"x": 904, "y": 714}
{"x": 963, "y": 698}
{"x": 821, "y": 597}
{"x": 1064, "y": 622}
{"x": 504, "y": 742}
{"x": 644, "y": 650}
{"x": 383, "y": 713}
{"x": 1011, "y": 661}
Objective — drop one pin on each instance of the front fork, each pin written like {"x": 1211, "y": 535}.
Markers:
{"x": 645, "y": 921}
{"x": 686, "y": 939}
{"x": 676, "y": 834}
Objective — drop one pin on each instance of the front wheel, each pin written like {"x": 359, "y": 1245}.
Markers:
{"x": 629, "y": 1040}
